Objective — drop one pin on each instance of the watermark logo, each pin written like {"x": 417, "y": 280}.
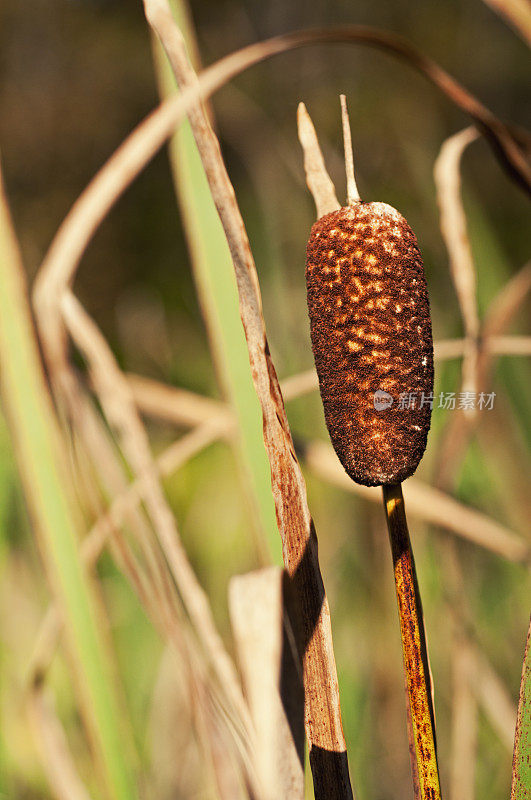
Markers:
{"x": 449, "y": 401}
{"x": 382, "y": 400}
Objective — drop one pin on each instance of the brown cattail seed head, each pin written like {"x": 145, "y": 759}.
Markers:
{"x": 371, "y": 334}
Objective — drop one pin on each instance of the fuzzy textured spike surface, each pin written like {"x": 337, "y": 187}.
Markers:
{"x": 371, "y": 337}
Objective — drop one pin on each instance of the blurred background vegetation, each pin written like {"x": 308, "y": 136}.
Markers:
{"x": 75, "y": 78}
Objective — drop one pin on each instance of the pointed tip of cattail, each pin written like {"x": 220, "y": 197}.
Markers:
{"x": 353, "y": 196}
{"x": 304, "y": 123}
{"x": 302, "y": 113}
{"x": 317, "y": 177}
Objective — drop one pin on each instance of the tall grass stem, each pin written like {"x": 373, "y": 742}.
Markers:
{"x": 413, "y": 644}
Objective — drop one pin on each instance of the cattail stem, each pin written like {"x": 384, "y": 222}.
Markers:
{"x": 413, "y": 645}
{"x": 353, "y": 196}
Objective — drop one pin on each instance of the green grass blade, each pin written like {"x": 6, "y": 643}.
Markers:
{"x": 214, "y": 276}
{"x": 521, "y": 782}
{"x": 36, "y": 442}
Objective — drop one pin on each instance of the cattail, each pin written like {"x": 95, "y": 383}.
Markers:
{"x": 371, "y": 337}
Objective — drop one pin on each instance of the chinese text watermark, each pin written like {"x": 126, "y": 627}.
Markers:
{"x": 467, "y": 401}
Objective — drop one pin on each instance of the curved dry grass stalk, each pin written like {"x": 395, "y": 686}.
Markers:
{"x": 58, "y": 268}
{"x": 478, "y": 352}
{"x": 453, "y": 224}
{"x": 455, "y": 234}
{"x": 429, "y": 504}
{"x": 517, "y": 13}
